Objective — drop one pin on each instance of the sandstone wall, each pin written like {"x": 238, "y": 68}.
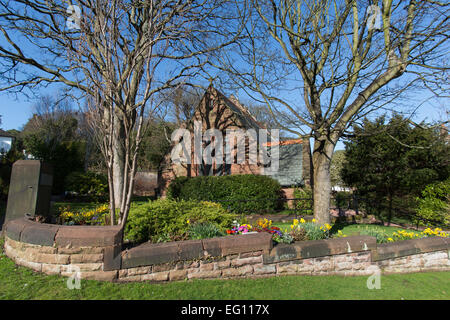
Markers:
{"x": 96, "y": 252}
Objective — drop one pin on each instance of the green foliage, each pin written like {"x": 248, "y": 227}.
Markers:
{"x": 309, "y": 231}
{"x": 337, "y": 162}
{"x": 304, "y": 206}
{"x": 90, "y": 184}
{"x": 154, "y": 145}
{"x": 261, "y": 190}
{"x": 54, "y": 139}
{"x": 434, "y": 205}
{"x": 343, "y": 199}
{"x": 204, "y": 230}
{"x": 390, "y": 163}
{"x": 6, "y": 163}
{"x": 169, "y": 220}
{"x": 379, "y": 234}
{"x": 283, "y": 238}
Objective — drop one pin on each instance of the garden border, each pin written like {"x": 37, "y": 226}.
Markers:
{"x": 96, "y": 252}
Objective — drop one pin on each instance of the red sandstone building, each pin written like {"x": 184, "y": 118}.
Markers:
{"x": 215, "y": 111}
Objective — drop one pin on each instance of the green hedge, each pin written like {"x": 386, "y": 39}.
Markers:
{"x": 238, "y": 193}
{"x": 88, "y": 184}
{"x": 168, "y": 220}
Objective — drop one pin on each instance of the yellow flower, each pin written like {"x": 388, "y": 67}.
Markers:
{"x": 302, "y": 220}
{"x": 327, "y": 226}
{"x": 314, "y": 220}
{"x": 188, "y": 221}
{"x": 390, "y": 239}
{"x": 295, "y": 222}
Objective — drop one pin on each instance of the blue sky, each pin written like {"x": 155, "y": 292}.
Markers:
{"x": 16, "y": 112}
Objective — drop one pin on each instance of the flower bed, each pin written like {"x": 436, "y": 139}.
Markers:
{"x": 202, "y": 220}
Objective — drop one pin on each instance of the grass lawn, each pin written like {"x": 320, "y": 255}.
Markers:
{"x": 24, "y": 284}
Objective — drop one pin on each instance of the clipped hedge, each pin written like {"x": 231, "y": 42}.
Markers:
{"x": 169, "y": 220}
{"x": 238, "y": 193}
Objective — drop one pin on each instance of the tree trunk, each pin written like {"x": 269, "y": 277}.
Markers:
{"x": 118, "y": 164}
{"x": 389, "y": 210}
{"x": 322, "y": 154}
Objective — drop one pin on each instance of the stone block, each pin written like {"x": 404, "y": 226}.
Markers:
{"x": 138, "y": 271}
{"x": 264, "y": 269}
{"x": 237, "y": 272}
{"x": 86, "y": 258}
{"x": 176, "y": 275}
{"x": 88, "y": 236}
{"x": 150, "y": 254}
{"x": 99, "y": 275}
{"x": 14, "y": 228}
{"x": 289, "y": 268}
{"x": 40, "y": 234}
{"x": 222, "y": 264}
{"x": 112, "y": 257}
{"x": 156, "y": 276}
{"x": 190, "y": 249}
{"x": 244, "y": 261}
{"x": 51, "y": 268}
{"x": 205, "y": 274}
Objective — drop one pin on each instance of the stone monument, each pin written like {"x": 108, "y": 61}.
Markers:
{"x": 30, "y": 189}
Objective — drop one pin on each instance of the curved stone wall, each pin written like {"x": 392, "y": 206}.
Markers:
{"x": 96, "y": 252}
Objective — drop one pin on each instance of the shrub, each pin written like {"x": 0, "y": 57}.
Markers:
{"x": 90, "y": 184}
{"x": 304, "y": 206}
{"x": 238, "y": 193}
{"x": 434, "y": 205}
{"x": 169, "y": 220}
{"x": 204, "y": 230}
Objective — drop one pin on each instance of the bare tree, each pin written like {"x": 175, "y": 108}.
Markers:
{"x": 121, "y": 55}
{"x": 329, "y": 63}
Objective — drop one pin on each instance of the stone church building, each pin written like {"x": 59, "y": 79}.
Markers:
{"x": 216, "y": 111}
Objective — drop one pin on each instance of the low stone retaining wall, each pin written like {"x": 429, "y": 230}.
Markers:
{"x": 96, "y": 252}
{"x": 56, "y": 249}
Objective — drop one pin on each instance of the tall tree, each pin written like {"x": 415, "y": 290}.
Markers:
{"x": 52, "y": 135}
{"x": 393, "y": 161}
{"x": 329, "y": 63}
{"x": 121, "y": 55}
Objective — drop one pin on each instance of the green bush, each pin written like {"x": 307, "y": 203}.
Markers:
{"x": 6, "y": 163}
{"x": 304, "y": 206}
{"x": 90, "y": 184}
{"x": 238, "y": 193}
{"x": 168, "y": 220}
{"x": 434, "y": 205}
{"x": 343, "y": 200}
